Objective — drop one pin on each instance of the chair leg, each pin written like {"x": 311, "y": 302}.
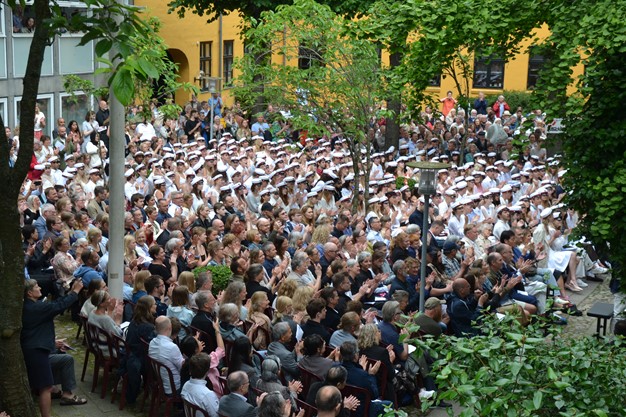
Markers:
{"x": 123, "y": 393}
{"x": 168, "y": 408}
{"x": 96, "y": 372}
{"x": 82, "y": 377}
{"x": 105, "y": 379}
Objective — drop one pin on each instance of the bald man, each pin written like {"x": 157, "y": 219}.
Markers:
{"x": 162, "y": 349}
{"x": 464, "y": 308}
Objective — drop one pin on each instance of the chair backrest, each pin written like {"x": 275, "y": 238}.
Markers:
{"x": 119, "y": 345}
{"x": 307, "y": 378}
{"x": 224, "y": 385}
{"x": 192, "y": 410}
{"x": 228, "y": 348}
{"x": 159, "y": 371}
{"x": 381, "y": 376}
{"x": 91, "y": 332}
{"x": 309, "y": 410}
{"x": 105, "y": 343}
{"x": 209, "y": 342}
{"x": 364, "y": 397}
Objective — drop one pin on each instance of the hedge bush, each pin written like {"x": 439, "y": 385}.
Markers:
{"x": 221, "y": 276}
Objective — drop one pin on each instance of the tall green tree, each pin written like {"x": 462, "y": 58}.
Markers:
{"x": 100, "y": 26}
{"x": 331, "y": 82}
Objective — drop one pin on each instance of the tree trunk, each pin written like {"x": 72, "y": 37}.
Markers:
{"x": 392, "y": 134}
{"x": 15, "y": 396}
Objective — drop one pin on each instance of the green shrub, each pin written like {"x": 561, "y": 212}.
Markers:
{"x": 402, "y": 181}
{"x": 221, "y": 275}
{"x": 512, "y": 370}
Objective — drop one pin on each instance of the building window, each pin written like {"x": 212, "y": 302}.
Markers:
{"x": 75, "y": 107}
{"x": 45, "y": 105}
{"x": 535, "y": 64}
{"x": 205, "y": 63}
{"x": 4, "y": 111}
{"x": 435, "y": 81}
{"x": 310, "y": 57}
{"x": 228, "y": 54}
{"x": 489, "y": 72}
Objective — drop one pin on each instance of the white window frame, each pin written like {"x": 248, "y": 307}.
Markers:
{"x": 92, "y": 54}
{"x": 76, "y": 93}
{"x": 5, "y": 115}
{"x": 49, "y": 118}
{"x": 2, "y": 28}
{"x": 3, "y": 40}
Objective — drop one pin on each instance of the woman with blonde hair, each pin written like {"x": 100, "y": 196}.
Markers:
{"x": 258, "y": 304}
{"x": 368, "y": 343}
{"x": 130, "y": 255}
{"x": 300, "y": 298}
{"x": 321, "y": 234}
{"x": 180, "y": 308}
{"x": 198, "y": 247}
{"x": 236, "y": 293}
{"x": 94, "y": 238}
{"x": 188, "y": 280}
{"x": 139, "y": 289}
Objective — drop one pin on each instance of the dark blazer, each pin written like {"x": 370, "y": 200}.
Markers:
{"x": 288, "y": 360}
{"x": 203, "y": 321}
{"x": 234, "y": 406}
{"x": 313, "y": 327}
{"x": 38, "y": 321}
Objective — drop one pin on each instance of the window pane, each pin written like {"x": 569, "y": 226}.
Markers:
{"x": 74, "y": 108}
{"x": 75, "y": 59}
{"x": 3, "y": 59}
{"x": 228, "y": 62}
{"x": 45, "y": 106}
{"x": 22, "y": 44}
{"x": 3, "y": 111}
{"x": 489, "y": 72}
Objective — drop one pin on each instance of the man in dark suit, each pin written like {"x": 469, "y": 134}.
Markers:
{"x": 204, "y": 319}
{"x": 236, "y": 403}
{"x": 281, "y": 334}
{"x": 316, "y": 309}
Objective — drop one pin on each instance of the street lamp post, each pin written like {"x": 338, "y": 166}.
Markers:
{"x": 427, "y": 187}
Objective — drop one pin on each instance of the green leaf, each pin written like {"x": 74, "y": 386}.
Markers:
{"x": 149, "y": 68}
{"x": 551, "y": 374}
{"x": 103, "y": 46}
{"x": 515, "y": 368}
{"x": 515, "y": 336}
{"x": 537, "y": 399}
{"x": 122, "y": 85}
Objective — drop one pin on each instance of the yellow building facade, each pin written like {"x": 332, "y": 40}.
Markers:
{"x": 204, "y": 49}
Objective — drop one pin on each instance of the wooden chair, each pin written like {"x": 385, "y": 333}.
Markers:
{"x": 224, "y": 385}
{"x": 382, "y": 378}
{"x": 149, "y": 381}
{"x": 192, "y": 410}
{"x": 91, "y": 332}
{"x": 307, "y": 378}
{"x": 108, "y": 358}
{"x": 364, "y": 397}
{"x": 309, "y": 410}
{"x": 169, "y": 399}
{"x": 89, "y": 348}
{"x": 209, "y": 342}
{"x": 121, "y": 351}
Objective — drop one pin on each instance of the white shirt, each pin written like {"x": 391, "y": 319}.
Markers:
{"x": 196, "y": 392}
{"x": 165, "y": 351}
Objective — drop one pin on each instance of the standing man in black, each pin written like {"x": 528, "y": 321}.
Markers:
{"x": 102, "y": 117}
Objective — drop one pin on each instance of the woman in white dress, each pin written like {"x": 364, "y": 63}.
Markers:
{"x": 545, "y": 236}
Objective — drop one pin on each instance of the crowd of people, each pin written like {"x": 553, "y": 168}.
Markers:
{"x": 320, "y": 277}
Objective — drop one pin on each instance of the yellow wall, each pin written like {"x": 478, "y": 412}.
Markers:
{"x": 184, "y": 36}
